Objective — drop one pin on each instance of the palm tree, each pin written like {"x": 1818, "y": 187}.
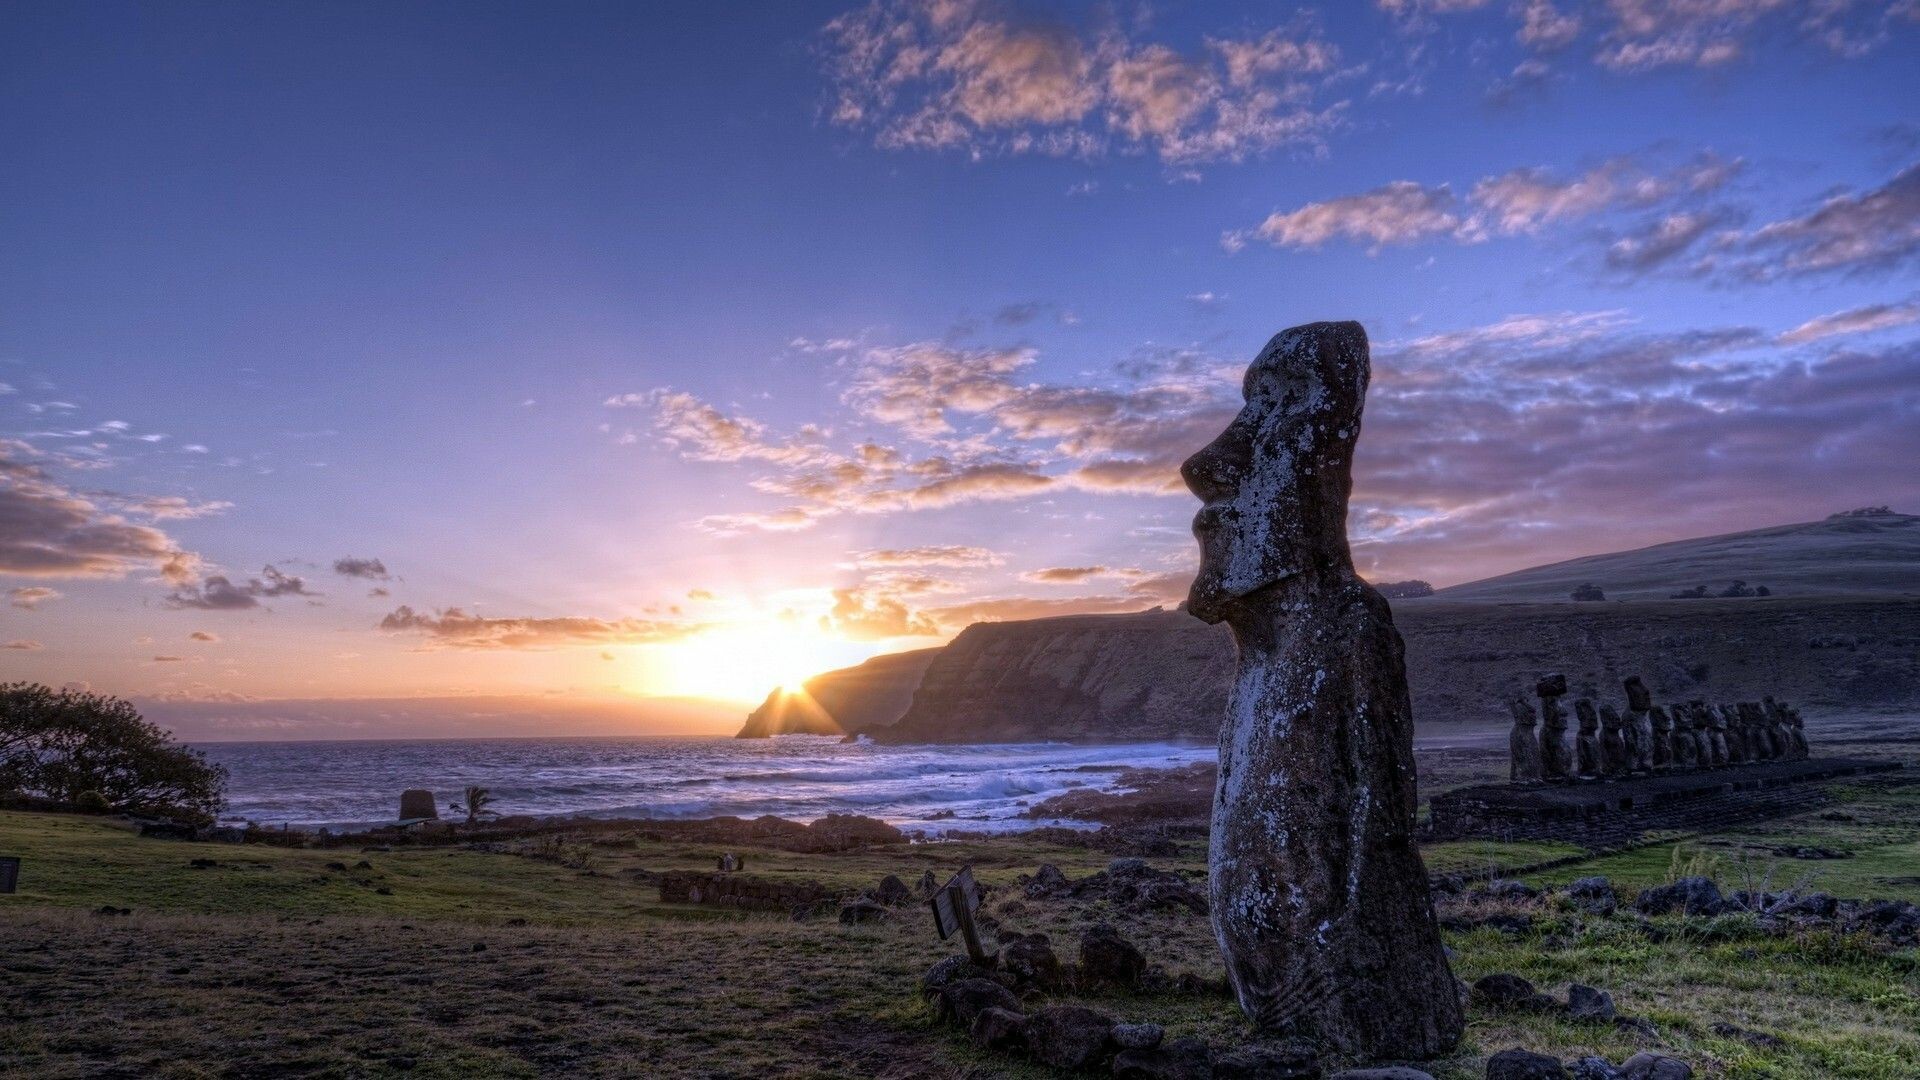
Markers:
{"x": 474, "y": 804}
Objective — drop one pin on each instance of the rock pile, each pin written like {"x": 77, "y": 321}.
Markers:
{"x": 1128, "y": 884}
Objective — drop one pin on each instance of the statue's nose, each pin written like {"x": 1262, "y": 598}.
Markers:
{"x": 1209, "y": 474}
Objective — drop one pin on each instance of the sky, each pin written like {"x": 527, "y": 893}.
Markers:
{"x": 646, "y": 355}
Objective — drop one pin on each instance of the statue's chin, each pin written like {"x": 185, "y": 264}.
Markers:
{"x": 1207, "y": 606}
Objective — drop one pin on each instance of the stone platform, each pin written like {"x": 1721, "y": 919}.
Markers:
{"x": 1606, "y": 812}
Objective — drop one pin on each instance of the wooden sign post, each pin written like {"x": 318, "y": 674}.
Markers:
{"x": 953, "y": 906}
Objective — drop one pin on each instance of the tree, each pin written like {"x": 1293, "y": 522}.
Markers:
{"x": 474, "y": 802}
{"x": 62, "y": 744}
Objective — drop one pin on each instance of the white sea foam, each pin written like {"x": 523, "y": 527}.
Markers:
{"x": 802, "y": 777}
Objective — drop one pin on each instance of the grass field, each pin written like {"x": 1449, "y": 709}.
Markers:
{"x": 539, "y": 961}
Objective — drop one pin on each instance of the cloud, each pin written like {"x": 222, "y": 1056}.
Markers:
{"x": 700, "y": 432}
{"x": 29, "y": 597}
{"x": 957, "y": 75}
{"x": 1401, "y": 212}
{"x": 169, "y": 659}
{"x": 1065, "y": 575}
{"x": 217, "y": 592}
{"x": 202, "y": 635}
{"x": 861, "y": 614}
{"x": 23, "y": 645}
{"x": 956, "y": 556}
{"x": 454, "y": 628}
{"x": 1875, "y": 230}
{"x": 1010, "y": 608}
{"x": 369, "y": 569}
{"x": 48, "y": 530}
{"x": 1858, "y": 320}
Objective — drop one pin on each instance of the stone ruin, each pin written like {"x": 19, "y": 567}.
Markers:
{"x": 1649, "y": 739}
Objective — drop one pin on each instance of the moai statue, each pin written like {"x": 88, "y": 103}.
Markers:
{"x": 1587, "y": 746}
{"x": 1686, "y": 752}
{"x": 1767, "y": 716}
{"x": 1736, "y": 734}
{"x": 1615, "y": 758}
{"x": 1320, "y": 902}
{"x": 1523, "y": 745}
{"x": 1662, "y": 728}
{"x": 1716, "y": 731}
{"x": 1703, "y": 735}
{"x": 1797, "y": 733}
{"x": 1640, "y": 740}
{"x": 1759, "y": 734}
{"x": 1556, "y": 759}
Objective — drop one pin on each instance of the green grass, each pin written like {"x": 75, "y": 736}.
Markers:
{"x": 272, "y": 964}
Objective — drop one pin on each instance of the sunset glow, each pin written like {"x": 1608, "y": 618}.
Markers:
{"x": 741, "y": 662}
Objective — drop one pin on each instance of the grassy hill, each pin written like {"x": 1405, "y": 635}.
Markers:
{"x": 1860, "y": 553}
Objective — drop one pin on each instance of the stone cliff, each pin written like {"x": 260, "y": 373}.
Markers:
{"x": 1162, "y": 674}
{"x": 849, "y": 700}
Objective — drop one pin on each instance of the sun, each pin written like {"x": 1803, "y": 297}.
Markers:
{"x": 743, "y": 661}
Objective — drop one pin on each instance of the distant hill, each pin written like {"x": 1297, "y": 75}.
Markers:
{"x": 1872, "y": 552}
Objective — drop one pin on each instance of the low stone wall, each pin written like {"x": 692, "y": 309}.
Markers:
{"x": 1610, "y": 812}
{"x": 740, "y": 892}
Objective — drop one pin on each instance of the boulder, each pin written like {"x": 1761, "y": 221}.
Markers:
{"x": 1047, "y": 881}
{"x": 1138, "y": 1036}
{"x": 1181, "y": 1059}
{"x": 1506, "y": 992}
{"x": 962, "y": 1000}
{"x": 950, "y": 970}
{"x": 1510, "y": 890}
{"x": 418, "y": 803}
{"x": 1593, "y": 894}
{"x": 1263, "y": 1061}
{"x": 893, "y": 892}
{"x": 861, "y": 911}
{"x": 1030, "y": 959}
{"x": 1651, "y": 1066}
{"x": 1107, "y": 959}
{"x": 1390, "y": 1072}
{"x": 1691, "y": 896}
{"x": 1588, "y": 1005}
{"x": 1069, "y": 1036}
{"x": 998, "y": 1029}
{"x": 1524, "y": 1065}
{"x": 1593, "y": 1068}
{"x": 928, "y": 885}
{"x": 1752, "y": 1038}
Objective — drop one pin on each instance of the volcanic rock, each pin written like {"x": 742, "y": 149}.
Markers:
{"x": 1524, "y": 1065}
{"x": 1069, "y": 1036}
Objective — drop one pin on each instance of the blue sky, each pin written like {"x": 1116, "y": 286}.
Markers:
{"x": 672, "y": 350}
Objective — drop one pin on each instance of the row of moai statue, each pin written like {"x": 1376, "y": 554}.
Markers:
{"x": 1649, "y": 738}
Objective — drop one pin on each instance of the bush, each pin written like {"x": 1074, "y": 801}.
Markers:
{"x": 91, "y": 802}
{"x": 92, "y": 751}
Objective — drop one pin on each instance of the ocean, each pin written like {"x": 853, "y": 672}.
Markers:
{"x": 802, "y": 777}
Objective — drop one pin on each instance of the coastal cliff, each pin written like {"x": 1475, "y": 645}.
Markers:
{"x": 1163, "y": 674}
{"x": 845, "y": 701}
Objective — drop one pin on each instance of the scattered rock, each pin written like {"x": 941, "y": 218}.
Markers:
{"x": 1181, "y": 1059}
{"x": 1638, "y": 1025}
{"x": 1030, "y": 959}
{"x": 1138, "y": 1036}
{"x": 109, "y": 909}
{"x": 1593, "y": 1068}
{"x": 964, "y": 999}
{"x": 1588, "y": 1005}
{"x": 928, "y": 885}
{"x": 1524, "y": 1065}
{"x": 999, "y": 1029}
{"x": 1282, "y": 1061}
{"x": 950, "y": 970}
{"x": 1593, "y": 894}
{"x": 383, "y": 891}
{"x": 1503, "y": 991}
{"x": 203, "y": 864}
{"x": 861, "y": 911}
{"x": 1047, "y": 881}
{"x": 893, "y": 892}
{"x": 479, "y": 946}
{"x": 1390, "y": 1072}
{"x": 363, "y": 865}
{"x": 1651, "y": 1066}
{"x": 1108, "y": 959}
{"x": 1509, "y": 890}
{"x": 1691, "y": 896}
{"x": 1068, "y": 1036}
{"x": 1760, "y": 1039}
{"x": 337, "y": 867}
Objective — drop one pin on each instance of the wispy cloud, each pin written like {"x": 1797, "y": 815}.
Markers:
{"x": 454, "y": 628}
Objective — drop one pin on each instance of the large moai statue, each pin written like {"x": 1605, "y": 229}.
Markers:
{"x": 1587, "y": 757}
{"x": 1662, "y": 727}
{"x": 1556, "y": 759}
{"x": 1736, "y": 734}
{"x": 1716, "y": 732}
{"x": 1686, "y": 752}
{"x": 1523, "y": 744}
{"x": 1320, "y": 901}
{"x": 1615, "y": 759}
{"x": 1797, "y": 733}
{"x": 1763, "y": 729}
{"x": 1639, "y": 731}
{"x": 1702, "y": 734}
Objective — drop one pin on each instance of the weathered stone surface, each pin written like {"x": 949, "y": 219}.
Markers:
{"x": 949, "y": 970}
{"x": 1523, "y": 744}
{"x": 1556, "y": 759}
{"x": 861, "y": 911}
{"x": 1524, "y": 1065}
{"x": 964, "y": 999}
{"x": 892, "y": 892}
{"x": 1142, "y": 1036}
{"x": 998, "y": 1029}
{"x": 1586, "y": 1004}
{"x": 1107, "y": 959}
{"x": 1181, "y": 1059}
{"x": 1030, "y": 960}
{"x": 1651, "y": 1066}
{"x": 1592, "y": 1068}
{"x": 1319, "y": 898}
{"x": 1587, "y": 746}
{"x": 1506, "y": 992}
{"x": 1593, "y": 894}
{"x": 1689, "y": 896}
{"x": 1616, "y": 759}
{"x": 418, "y": 803}
{"x": 1390, "y": 1072}
{"x": 1069, "y": 1036}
